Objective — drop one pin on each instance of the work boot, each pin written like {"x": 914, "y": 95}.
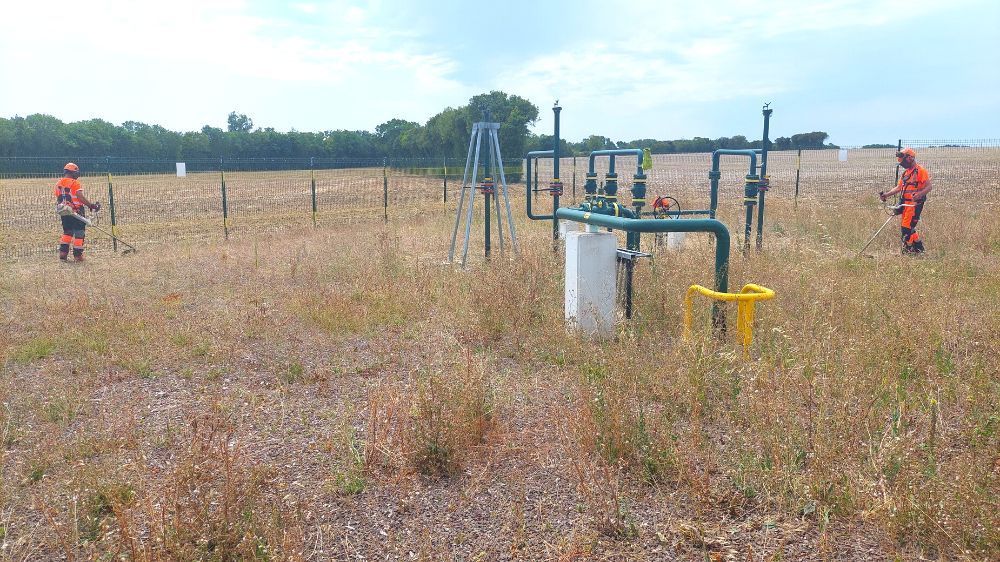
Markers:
{"x": 78, "y": 255}
{"x": 63, "y": 251}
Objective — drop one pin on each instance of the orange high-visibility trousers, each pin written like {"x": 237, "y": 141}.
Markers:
{"x": 908, "y": 226}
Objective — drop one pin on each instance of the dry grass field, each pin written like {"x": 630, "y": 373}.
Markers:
{"x": 340, "y": 394}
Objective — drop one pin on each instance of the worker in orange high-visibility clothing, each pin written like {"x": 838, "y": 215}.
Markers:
{"x": 70, "y": 201}
{"x": 913, "y": 187}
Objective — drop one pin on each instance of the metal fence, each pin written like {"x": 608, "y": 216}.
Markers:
{"x": 146, "y": 201}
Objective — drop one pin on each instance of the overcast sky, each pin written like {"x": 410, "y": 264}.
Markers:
{"x": 864, "y": 71}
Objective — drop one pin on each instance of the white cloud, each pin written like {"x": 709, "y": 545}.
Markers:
{"x": 196, "y": 57}
{"x": 320, "y": 64}
{"x": 695, "y": 52}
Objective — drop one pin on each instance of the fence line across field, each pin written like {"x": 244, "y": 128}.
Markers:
{"x": 147, "y": 202}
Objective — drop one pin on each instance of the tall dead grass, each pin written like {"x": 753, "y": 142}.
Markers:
{"x": 870, "y": 397}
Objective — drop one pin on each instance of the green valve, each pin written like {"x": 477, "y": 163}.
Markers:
{"x": 611, "y": 185}
{"x": 752, "y": 187}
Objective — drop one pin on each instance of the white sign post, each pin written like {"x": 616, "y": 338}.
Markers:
{"x": 181, "y": 170}
{"x": 842, "y": 155}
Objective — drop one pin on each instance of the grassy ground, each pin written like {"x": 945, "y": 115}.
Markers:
{"x": 340, "y": 393}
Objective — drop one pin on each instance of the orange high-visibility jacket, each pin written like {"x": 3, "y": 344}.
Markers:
{"x": 913, "y": 180}
{"x": 66, "y": 190}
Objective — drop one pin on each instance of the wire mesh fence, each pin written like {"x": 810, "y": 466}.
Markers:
{"x": 851, "y": 176}
{"x": 148, "y": 201}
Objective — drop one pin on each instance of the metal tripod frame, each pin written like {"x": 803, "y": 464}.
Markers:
{"x": 493, "y": 164}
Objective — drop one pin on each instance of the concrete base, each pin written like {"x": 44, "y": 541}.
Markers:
{"x": 591, "y": 283}
{"x": 675, "y": 240}
{"x": 566, "y": 226}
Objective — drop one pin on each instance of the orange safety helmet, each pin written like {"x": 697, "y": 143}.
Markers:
{"x": 906, "y": 152}
{"x": 71, "y": 167}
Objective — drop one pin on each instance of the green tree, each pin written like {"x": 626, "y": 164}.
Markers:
{"x": 239, "y": 123}
{"x": 8, "y": 138}
{"x": 42, "y": 135}
{"x": 390, "y": 135}
{"x": 448, "y": 132}
{"x": 94, "y": 137}
{"x": 195, "y": 145}
{"x": 514, "y": 113}
{"x": 595, "y": 142}
{"x": 814, "y": 139}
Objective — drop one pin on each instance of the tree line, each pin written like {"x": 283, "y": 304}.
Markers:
{"x": 445, "y": 134}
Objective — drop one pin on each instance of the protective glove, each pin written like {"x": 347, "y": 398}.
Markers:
{"x": 95, "y": 207}
{"x": 882, "y": 196}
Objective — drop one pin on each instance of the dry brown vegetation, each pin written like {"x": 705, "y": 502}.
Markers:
{"x": 340, "y": 394}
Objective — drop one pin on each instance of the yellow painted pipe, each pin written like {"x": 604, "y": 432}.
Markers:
{"x": 746, "y": 300}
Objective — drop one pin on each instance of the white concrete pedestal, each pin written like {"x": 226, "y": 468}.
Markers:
{"x": 590, "y": 282}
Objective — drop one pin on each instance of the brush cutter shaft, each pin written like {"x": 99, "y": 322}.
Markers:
{"x": 91, "y": 224}
{"x": 872, "y": 239}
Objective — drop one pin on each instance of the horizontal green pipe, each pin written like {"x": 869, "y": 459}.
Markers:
{"x": 617, "y": 152}
{"x": 660, "y": 225}
{"x": 752, "y": 153}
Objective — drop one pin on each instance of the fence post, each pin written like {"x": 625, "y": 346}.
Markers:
{"x": 111, "y": 209}
{"x": 225, "y": 202}
{"x": 312, "y": 178}
{"x": 385, "y": 191}
{"x": 798, "y": 168}
{"x": 899, "y": 146}
{"x": 445, "y": 188}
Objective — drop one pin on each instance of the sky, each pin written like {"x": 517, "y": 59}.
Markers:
{"x": 865, "y": 71}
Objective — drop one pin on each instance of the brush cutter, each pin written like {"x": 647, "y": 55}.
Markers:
{"x": 893, "y": 211}
{"x": 89, "y": 222}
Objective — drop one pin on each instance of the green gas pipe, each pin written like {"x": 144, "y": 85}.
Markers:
{"x": 527, "y": 183}
{"x": 658, "y": 225}
{"x": 616, "y": 152}
{"x": 763, "y": 174}
{"x": 715, "y": 174}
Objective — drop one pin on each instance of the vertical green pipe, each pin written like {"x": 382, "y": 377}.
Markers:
{"x": 312, "y": 182}
{"x": 445, "y": 187}
{"x": 488, "y": 166}
{"x": 798, "y": 169}
{"x": 486, "y": 222}
{"x": 225, "y": 201}
{"x": 385, "y": 192}
{"x": 763, "y": 176}
{"x": 748, "y": 230}
{"x": 713, "y": 197}
{"x": 555, "y": 175}
{"x": 632, "y": 242}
